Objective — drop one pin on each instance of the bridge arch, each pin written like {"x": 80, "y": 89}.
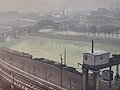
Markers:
{"x": 44, "y": 24}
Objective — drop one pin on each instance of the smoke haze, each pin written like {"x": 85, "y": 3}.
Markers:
{"x": 55, "y": 5}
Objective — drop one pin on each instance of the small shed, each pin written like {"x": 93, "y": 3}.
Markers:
{"x": 107, "y": 74}
{"x": 97, "y": 58}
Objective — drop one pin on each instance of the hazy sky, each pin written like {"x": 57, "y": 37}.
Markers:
{"x": 53, "y": 5}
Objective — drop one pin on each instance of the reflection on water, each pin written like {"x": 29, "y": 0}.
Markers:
{"x": 89, "y": 34}
{"x": 51, "y": 48}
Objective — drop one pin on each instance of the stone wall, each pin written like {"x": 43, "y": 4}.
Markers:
{"x": 45, "y": 69}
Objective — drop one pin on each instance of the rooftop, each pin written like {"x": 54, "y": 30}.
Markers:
{"x": 99, "y": 52}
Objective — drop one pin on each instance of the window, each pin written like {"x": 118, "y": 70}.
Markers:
{"x": 85, "y": 57}
{"x": 101, "y": 57}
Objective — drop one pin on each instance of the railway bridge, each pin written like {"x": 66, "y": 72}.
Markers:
{"x": 42, "y": 25}
{"x": 24, "y": 80}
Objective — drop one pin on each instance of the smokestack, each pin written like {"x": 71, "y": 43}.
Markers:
{"x": 92, "y": 46}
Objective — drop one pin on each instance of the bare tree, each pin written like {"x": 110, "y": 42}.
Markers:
{"x": 93, "y": 30}
{"x": 47, "y": 72}
{"x": 10, "y": 58}
{"x": 35, "y": 70}
{"x": 74, "y": 83}
{"x": 3, "y": 55}
{"x": 23, "y": 64}
{"x": 28, "y": 70}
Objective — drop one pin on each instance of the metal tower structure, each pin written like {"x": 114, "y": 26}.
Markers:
{"x": 94, "y": 62}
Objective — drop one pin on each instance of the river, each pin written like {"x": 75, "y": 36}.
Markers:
{"x": 52, "y": 48}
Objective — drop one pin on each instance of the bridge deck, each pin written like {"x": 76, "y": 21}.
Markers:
{"x": 98, "y": 67}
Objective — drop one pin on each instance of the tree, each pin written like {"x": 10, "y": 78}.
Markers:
{"x": 107, "y": 30}
{"x": 83, "y": 29}
{"x": 35, "y": 69}
{"x": 93, "y": 29}
{"x": 47, "y": 72}
{"x": 10, "y": 59}
{"x": 23, "y": 64}
{"x": 116, "y": 31}
{"x": 74, "y": 83}
{"x": 3, "y": 55}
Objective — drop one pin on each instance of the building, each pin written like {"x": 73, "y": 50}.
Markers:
{"x": 102, "y": 17}
{"x": 99, "y": 21}
{"x": 83, "y": 20}
{"x": 96, "y": 58}
{"x": 116, "y": 21}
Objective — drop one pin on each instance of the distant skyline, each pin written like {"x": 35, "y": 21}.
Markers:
{"x": 55, "y": 5}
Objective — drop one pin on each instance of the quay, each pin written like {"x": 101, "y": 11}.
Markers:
{"x": 48, "y": 71}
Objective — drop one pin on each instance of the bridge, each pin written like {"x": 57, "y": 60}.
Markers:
{"x": 24, "y": 80}
{"x": 43, "y": 24}
{"x": 14, "y": 33}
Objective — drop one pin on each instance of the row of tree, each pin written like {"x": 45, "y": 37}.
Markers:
{"x": 94, "y": 29}
{"x": 107, "y": 30}
{"x": 75, "y": 27}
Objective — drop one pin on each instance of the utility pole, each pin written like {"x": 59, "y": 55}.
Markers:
{"x": 61, "y": 69}
{"x": 65, "y": 56}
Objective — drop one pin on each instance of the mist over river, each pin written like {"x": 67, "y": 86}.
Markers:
{"x": 52, "y": 48}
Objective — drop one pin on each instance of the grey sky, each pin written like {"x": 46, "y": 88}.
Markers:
{"x": 53, "y": 5}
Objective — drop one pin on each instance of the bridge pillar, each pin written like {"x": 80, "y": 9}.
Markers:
{"x": 4, "y": 38}
{"x": 85, "y": 79}
{"x": 96, "y": 83}
{"x": 17, "y": 34}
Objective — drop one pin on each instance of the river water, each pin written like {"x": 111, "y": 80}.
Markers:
{"x": 52, "y": 48}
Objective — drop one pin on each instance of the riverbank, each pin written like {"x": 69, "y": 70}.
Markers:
{"x": 103, "y": 40}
